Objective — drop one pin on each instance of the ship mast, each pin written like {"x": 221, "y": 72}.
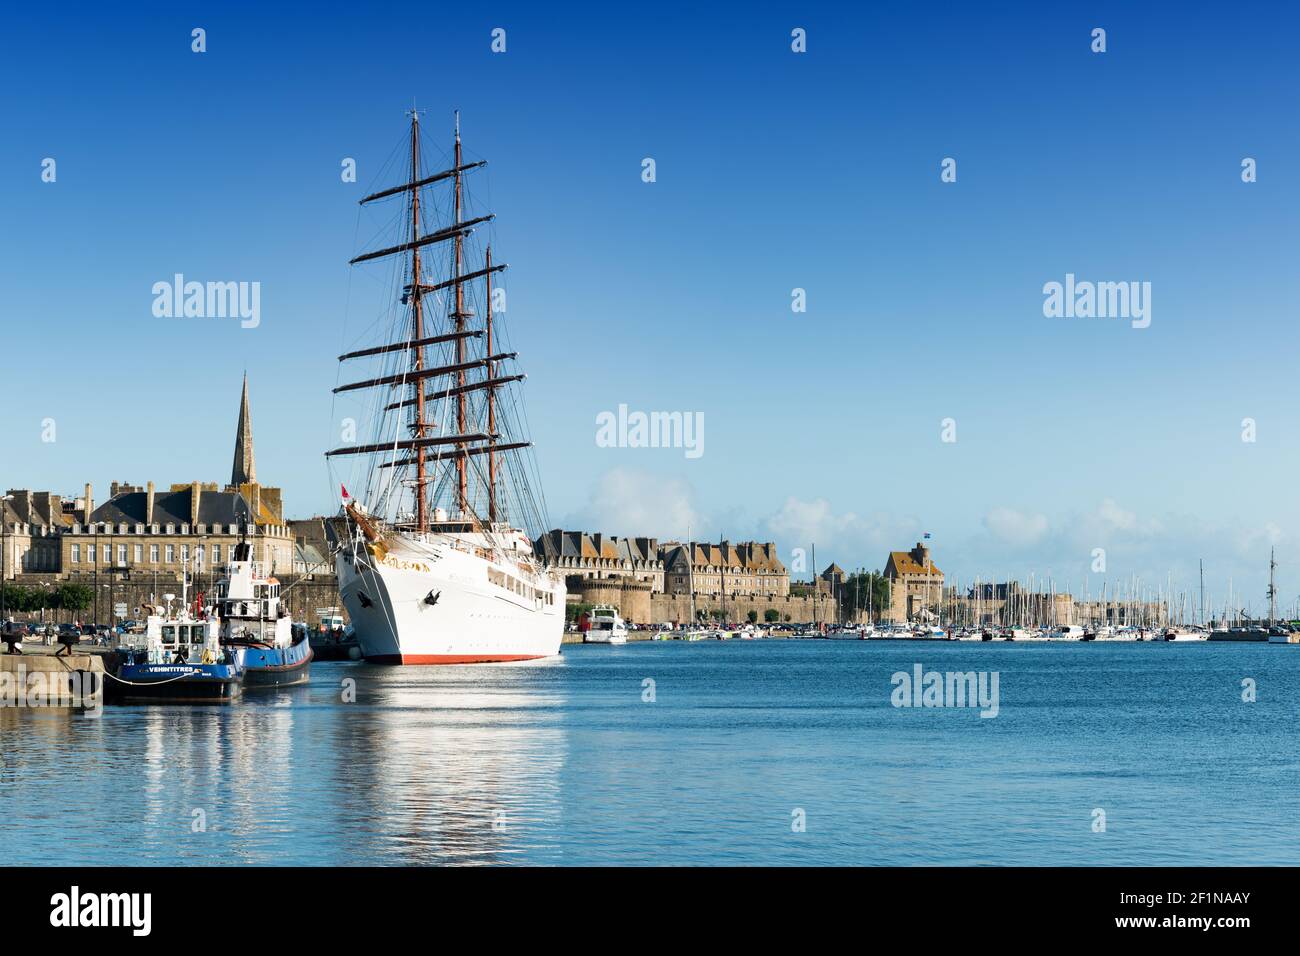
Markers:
{"x": 1272, "y": 591}
{"x": 459, "y": 316}
{"x": 491, "y": 395}
{"x": 417, "y": 331}
{"x": 426, "y": 447}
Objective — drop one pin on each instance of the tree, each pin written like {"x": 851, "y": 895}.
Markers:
{"x": 869, "y": 591}
{"x": 72, "y": 597}
{"x": 17, "y": 599}
{"x": 753, "y": 617}
{"x": 574, "y": 611}
{"x": 771, "y": 615}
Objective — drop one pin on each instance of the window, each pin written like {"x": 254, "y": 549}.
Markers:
{"x": 76, "y": 554}
{"x": 107, "y": 554}
{"x": 216, "y": 555}
{"x": 171, "y": 554}
{"x": 185, "y": 554}
{"x": 121, "y": 555}
{"x": 139, "y": 553}
{"x": 153, "y": 554}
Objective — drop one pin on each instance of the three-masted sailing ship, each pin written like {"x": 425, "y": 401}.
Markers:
{"x": 432, "y": 566}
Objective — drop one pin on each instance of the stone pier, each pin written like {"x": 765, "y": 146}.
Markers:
{"x": 44, "y": 680}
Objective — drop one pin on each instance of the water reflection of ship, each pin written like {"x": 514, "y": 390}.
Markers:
{"x": 219, "y": 785}
{"x": 450, "y": 765}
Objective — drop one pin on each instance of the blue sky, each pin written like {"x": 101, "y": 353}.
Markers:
{"x": 775, "y": 170}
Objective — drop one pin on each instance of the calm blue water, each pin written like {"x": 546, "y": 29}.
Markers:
{"x": 562, "y": 762}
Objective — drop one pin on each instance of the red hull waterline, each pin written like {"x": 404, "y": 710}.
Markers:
{"x": 451, "y": 658}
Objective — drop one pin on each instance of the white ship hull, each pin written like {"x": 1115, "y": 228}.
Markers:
{"x": 441, "y": 601}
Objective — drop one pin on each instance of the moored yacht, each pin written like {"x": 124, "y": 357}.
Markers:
{"x": 1066, "y": 632}
{"x": 606, "y": 627}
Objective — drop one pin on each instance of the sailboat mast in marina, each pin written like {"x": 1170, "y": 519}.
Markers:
{"x": 433, "y": 568}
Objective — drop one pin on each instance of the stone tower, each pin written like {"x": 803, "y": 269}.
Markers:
{"x": 243, "y": 471}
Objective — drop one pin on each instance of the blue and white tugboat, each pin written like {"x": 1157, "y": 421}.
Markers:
{"x": 178, "y": 660}
{"x": 256, "y": 628}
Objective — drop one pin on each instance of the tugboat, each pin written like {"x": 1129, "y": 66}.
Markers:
{"x": 256, "y": 628}
{"x": 179, "y": 660}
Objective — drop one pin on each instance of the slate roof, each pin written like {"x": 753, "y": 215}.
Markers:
{"x": 173, "y": 507}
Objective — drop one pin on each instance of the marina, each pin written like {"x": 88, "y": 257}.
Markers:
{"x": 532, "y": 762}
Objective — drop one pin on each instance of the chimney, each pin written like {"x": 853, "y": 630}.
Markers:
{"x": 148, "y": 504}
{"x": 89, "y": 504}
{"x": 195, "y": 492}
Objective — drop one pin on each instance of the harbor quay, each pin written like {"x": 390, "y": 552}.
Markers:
{"x": 30, "y": 680}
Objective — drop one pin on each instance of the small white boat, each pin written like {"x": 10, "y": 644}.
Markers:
{"x": 1066, "y": 632}
{"x": 1184, "y": 634}
{"x": 606, "y": 626}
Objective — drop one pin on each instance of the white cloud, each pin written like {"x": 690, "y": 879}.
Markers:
{"x": 627, "y": 502}
{"x": 846, "y": 538}
{"x": 1016, "y": 527}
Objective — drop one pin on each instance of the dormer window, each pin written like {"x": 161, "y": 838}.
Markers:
{"x": 171, "y": 529}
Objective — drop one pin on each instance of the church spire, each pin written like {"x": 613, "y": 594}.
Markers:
{"x": 243, "y": 471}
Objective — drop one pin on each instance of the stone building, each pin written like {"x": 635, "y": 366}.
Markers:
{"x": 143, "y": 531}
{"x": 744, "y": 569}
{"x": 582, "y": 555}
{"x": 915, "y": 584}
{"x": 191, "y": 525}
{"x": 29, "y": 539}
